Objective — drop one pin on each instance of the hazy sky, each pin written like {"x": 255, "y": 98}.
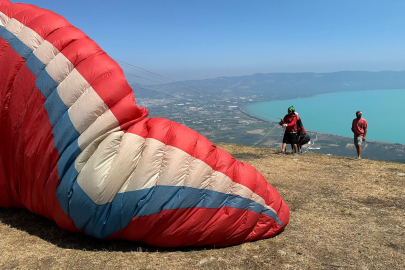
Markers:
{"x": 197, "y": 39}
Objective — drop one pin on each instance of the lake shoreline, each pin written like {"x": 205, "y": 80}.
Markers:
{"x": 333, "y": 113}
{"x": 244, "y": 111}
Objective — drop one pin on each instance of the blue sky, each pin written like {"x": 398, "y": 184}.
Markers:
{"x": 190, "y": 39}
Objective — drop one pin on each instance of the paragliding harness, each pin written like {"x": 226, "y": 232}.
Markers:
{"x": 301, "y": 138}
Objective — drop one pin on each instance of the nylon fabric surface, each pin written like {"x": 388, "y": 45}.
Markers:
{"x": 78, "y": 150}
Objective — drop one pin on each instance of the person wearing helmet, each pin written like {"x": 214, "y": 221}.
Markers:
{"x": 289, "y": 124}
{"x": 359, "y": 129}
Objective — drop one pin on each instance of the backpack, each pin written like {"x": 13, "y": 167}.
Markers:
{"x": 299, "y": 127}
{"x": 302, "y": 138}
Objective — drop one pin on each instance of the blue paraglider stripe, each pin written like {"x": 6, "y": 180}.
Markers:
{"x": 68, "y": 158}
{"x": 64, "y": 132}
{"x": 45, "y": 84}
{"x": 65, "y": 188}
{"x": 19, "y": 47}
{"x": 6, "y": 35}
{"x": 63, "y": 128}
{"x": 103, "y": 220}
{"x": 55, "y": 107}
{"x": 35, "y": 65}
{"x": 23, "y": 50}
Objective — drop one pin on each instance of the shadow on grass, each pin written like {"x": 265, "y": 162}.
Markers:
{"x": 24, "y": 220}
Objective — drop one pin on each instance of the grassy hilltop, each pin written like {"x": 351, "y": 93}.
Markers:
{"x": 345, "y": 214}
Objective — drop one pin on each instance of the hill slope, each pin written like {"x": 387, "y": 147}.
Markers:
{"x": 345, "y": 214}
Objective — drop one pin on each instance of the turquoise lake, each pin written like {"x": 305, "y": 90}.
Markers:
{"x": 333, "y": 113}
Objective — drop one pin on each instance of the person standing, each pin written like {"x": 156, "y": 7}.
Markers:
{"x": 359, "y": 129}
{"x": 289, "y": 124}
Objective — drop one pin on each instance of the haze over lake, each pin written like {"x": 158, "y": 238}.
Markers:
{"x": 333, "y": 113}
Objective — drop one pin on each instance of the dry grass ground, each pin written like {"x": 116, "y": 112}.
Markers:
{"x": 345, "y": 214}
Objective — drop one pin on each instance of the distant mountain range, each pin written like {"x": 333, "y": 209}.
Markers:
{"x": 291, "y": 85}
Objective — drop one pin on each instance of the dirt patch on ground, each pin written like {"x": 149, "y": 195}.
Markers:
{"x": 345, "y": 214}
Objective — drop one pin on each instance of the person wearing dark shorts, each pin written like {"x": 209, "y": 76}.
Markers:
{"x": 289, "y": 124}
{"x": 290, "y": 138}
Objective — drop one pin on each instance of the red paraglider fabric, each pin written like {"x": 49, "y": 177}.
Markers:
{"x": 76, "y": 149}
